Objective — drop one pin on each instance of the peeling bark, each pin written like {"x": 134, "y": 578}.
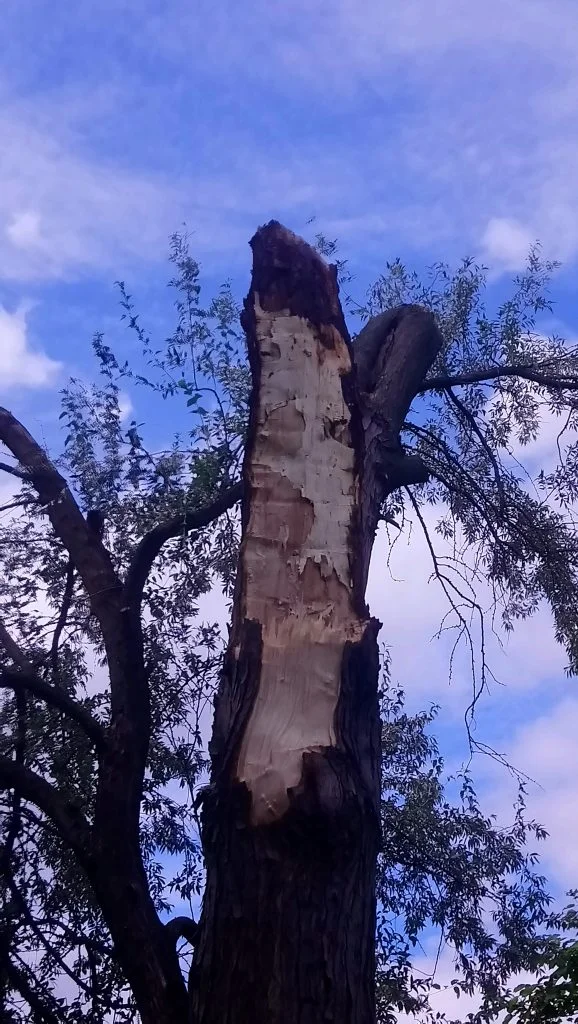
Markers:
{"x": 291, "y": 818}
{"x": 295, "y": 557}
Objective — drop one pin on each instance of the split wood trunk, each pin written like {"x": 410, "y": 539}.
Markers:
{"x": 291, "y": 820}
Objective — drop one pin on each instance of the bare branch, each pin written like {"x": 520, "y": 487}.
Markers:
{"x": 151, "y": 544}
{"x": 182, "y": 928}
{"x": 465, "y": 413}
{"x": 22, "y": 682}
{"x": 555, "y": 382}
{"x": 61, "y": 623}
{"x": 14, "y": 471}
{"x": 64, "y": 814}
{"x": 448, "y": 586}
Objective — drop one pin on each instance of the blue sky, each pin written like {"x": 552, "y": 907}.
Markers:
{"x": 429, "y": 129}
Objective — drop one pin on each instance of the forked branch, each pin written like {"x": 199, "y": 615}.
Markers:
{"x": 85, "y": 547}
{"x": 151, "y": 544}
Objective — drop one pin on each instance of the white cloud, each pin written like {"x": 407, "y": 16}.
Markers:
{"x": 24, "y": 230}
{"x": 506, "y": 243}
{"x": 463, "y": 113}
{"x": 546, "y": 750}
{"x": 350, "y": 38}
{"x": 125, "y": 405}
{"x": 20, "y": 365}
{"x": 411, "y": 605}
{"x": 61, "y": 213}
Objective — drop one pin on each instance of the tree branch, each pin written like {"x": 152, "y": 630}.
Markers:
{"x": 74, "y": 937}
{"x": 448, "y": 585}
{"x": 85, "y": 547}
{"x": 392, "y": 355}
{"x": 151, "y": 544}
{"x": 182, "y": 928}
{"x": 13, "y": 650}
{"x": 476, "y": 496}
{"x": 19, "y": 981}
{"x": 6, "y": 854}
{"x": 490, "y": 373}
{"x": 61, "y": 623}
{"x": 37, "y": 931}
{"x": 22, "y": 682}
{"x": 121, "y": 634}
{"x": 466, "y": 414}
{"x": 68, "y": 818}
{"x": 14, "y": 471}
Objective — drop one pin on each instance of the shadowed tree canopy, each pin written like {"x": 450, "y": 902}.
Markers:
{"x": 108, "y": 672}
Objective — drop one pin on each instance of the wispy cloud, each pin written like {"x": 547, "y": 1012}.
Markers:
{"x": 451, "y": 124}
{"x": 125, "y": 405}
{"x": 61, "y": 213}
{"x": 405, "y": 126}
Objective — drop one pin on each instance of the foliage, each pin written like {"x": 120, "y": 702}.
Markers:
{"x": 55, "y": 924}
{"x": 446, "y": 866}
{"x": 443, "y": 865}
{"x": 497, "y": 383}
{"x": 553, "y": 995}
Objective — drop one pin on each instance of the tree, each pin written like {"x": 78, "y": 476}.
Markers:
{"x": 292, "y": 816}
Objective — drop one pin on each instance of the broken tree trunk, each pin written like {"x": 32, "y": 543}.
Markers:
{"x": 291, "y": 820}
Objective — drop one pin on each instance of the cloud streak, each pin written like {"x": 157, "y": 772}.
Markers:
{"x": 61, "y": 213}
{"x": 405, "y": 127}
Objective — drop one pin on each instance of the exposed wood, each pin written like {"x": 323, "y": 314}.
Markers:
{"x": 291, "y": 819}
{"x": 296, "y": 575}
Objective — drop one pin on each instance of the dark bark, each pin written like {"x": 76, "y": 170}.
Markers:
{"x": 392, "y": 353}
{"x": 142, "y": 946}
{"x": 287, "y": 934}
